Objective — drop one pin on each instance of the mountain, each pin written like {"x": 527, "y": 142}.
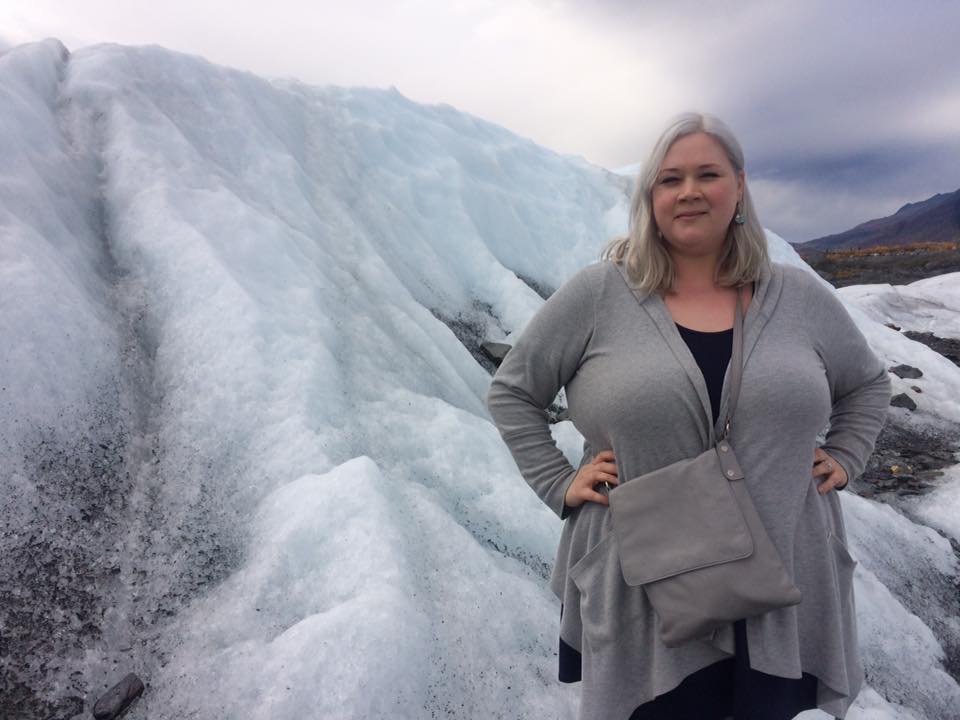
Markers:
{"x": 934, "y": 220}
{"x": 244, "y": 450}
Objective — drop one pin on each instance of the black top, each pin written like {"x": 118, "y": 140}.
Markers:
{"x": 727, "y": 687}
{"x": 712, "y": 352}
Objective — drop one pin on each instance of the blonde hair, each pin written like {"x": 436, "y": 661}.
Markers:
{"x": 648, "y": 264}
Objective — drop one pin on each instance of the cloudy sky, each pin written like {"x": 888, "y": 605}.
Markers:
{"x": 846, "y": 109}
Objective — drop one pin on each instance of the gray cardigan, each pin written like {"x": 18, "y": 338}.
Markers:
{"x": 632, "y": 386}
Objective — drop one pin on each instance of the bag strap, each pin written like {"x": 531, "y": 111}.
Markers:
{"x": 736, "y": 363}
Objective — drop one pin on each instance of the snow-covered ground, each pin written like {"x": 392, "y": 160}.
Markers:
{"x": 929, "y": 305}
{"x": 237, "y": 306}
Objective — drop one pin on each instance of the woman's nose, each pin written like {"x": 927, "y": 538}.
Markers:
{"x": 689, "y": 189}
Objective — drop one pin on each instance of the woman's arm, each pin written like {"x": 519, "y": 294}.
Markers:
{"x": 859, "y": 383}
{"x": 544, "y": 359}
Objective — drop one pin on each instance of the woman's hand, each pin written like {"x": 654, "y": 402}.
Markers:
{"x": 824, "y": 465}
{"x": 600, "y": 469}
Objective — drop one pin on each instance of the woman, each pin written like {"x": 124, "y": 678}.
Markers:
{"x": 644, "y": 374}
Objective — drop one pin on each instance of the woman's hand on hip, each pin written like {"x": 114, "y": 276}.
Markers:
{"x": 601, "y": 469}
{"x": 835, "y": 477}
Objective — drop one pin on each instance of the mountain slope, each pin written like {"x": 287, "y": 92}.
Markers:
{"x": 934, "y": 220}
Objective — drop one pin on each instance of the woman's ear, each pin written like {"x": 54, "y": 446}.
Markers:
{"x": 741, "y": 179}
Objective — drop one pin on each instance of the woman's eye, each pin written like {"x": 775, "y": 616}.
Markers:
{"x": 669, "y": 180}
{"x": 710, "y": 174}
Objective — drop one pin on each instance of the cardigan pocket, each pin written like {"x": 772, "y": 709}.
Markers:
{"x": 607, "y": 604}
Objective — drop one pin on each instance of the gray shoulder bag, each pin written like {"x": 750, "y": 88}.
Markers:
{"x": 690, "y": 535}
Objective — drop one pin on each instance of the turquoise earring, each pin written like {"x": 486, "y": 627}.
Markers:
{"x": 739, "y": 219}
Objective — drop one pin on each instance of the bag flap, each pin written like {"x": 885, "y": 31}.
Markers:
{"x": 679, "y": 518}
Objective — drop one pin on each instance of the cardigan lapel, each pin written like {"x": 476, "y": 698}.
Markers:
{"x": 654, "y": 306}
{"x": 657, "y": 310}
{"x": 761, "y": 307}
{"x": 765, "y": 296}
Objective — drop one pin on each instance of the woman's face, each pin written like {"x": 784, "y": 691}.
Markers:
{"x": 695, "y": 195}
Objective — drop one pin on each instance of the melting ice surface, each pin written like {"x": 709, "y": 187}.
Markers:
{"x": 255, "y": 296}
{"x": 928, "y": 305}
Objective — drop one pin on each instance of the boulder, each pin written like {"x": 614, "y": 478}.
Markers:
{"x": 117, "y": 699}
{"x": 904, "y": 401}
{"x": 907, "y": 371}
{"x": 495, "y": 351}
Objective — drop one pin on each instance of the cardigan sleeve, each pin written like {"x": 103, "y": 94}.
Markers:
{"x": 858, "y": 381}
{"x": 544, "y": 359}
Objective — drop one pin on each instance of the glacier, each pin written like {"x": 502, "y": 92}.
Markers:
{"x": 928, "y": 305}
{"x": 244, "y": 442}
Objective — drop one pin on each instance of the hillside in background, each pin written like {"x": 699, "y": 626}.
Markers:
{"x": 934, "y": 220}
{"x": 920, "y": 240}
{"x": 893, "y": 265}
